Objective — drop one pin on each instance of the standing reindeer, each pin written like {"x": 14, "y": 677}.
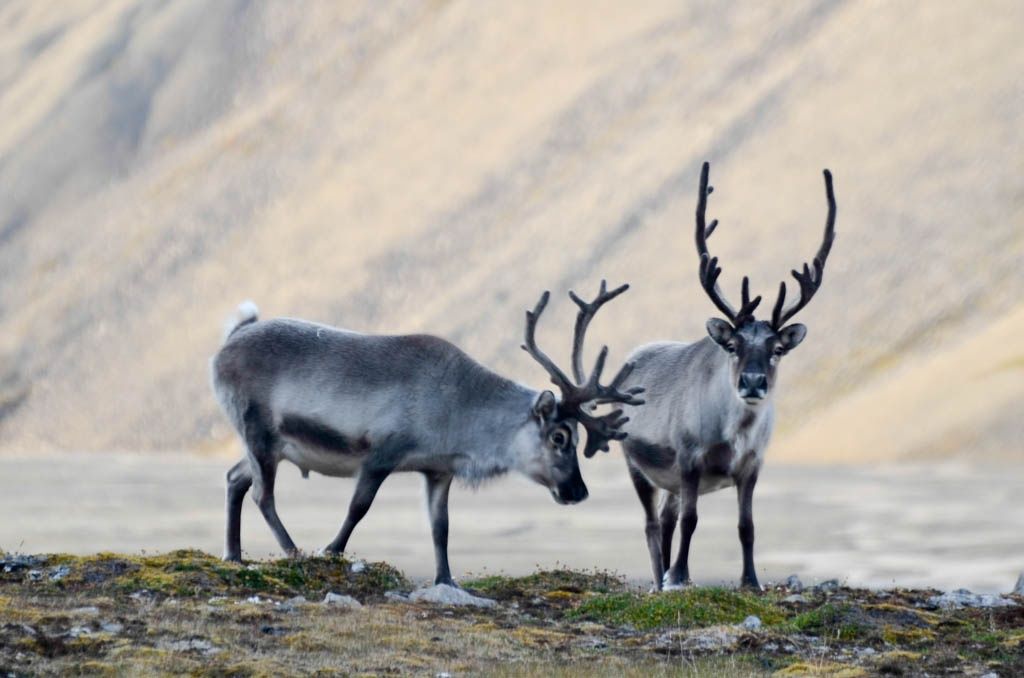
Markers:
{"x": 342, "y": 404}
{"x": 709, "y": 413}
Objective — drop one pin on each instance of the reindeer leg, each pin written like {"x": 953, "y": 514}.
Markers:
{"x": 375, "y": 469}
{"x": 648, "y": 495}
{"x": 438, "y": 485}
{"x": 261, "y": 444}
{"x": 679, "y": 574}
{"x": 669, "y": 520}
{"x": 239, "y": 480}
{"x": 745, "y": 494}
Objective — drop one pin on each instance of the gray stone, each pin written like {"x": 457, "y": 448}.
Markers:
{"x": 79, "y": 631}
{"x": 255, "y": 600}
{"x": 59, "y": 572}
{"x": 293, "y": 603}
{"x": 443, "y": 594}
{"x": 794, "y": 584}
{"x": 751, "y": 623}
{"x": 396, "y": 597}
{"x": 828, "y": 586}
{"x": 90, "y": 610}
{"x": 964, "y": 598}
{"x": 1019, "y": 588}
{"x": 111, "y": 627}
{"x": 342, "y": 601}
{"x": 794, "y": 598}
{"x": 191, "y": 645}
{"x": 14, "y": 563}
{"x": 35, "y": 575}
{"x": 358, "y": 567}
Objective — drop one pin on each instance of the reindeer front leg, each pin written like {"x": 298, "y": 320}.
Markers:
{"x": 745, "y": 494}
{"x": 648, "y": 495}
{"x": 438, "y": 485}
{"x": 679, "y": 575}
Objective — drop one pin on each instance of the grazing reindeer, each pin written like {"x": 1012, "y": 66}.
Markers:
{"x": 709, "y": 413}
{"x": 342, "y": 404}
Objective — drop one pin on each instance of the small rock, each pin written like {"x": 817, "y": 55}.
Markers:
{"x": 255, "y": 600}
{"x": 444, "y": 594}
{"x": 442, "y": 674}
{"x": 990, "y": 674}
{"x": 342, "y": 601}
{"x": 90, "y": 610}
{"x": 358, "y": 567}
{"x": 191, "y": 645}
{"x": 35, "y": 575}
{"x": 79, "y": 631}
{"x": 59, "y": 572}
{"x": 111, "y": 627}
{"x": 396, "y": 596}
{"x": 12, "y": 563}
{"x": 714, "y": 638}
{"x": 141, "y": 594}
{"x": 217, "y": 600}
{"x": 1019, "y": 588}
{"x": 751, "y": 623}
{"x": 293, "y": 603}
{"x": 794, "y": 584}
{"x": 828, "y": 586}
{"x": 964, "y": 598}
{"x": 794, "y": 598}
{"x": 593, "y": 643}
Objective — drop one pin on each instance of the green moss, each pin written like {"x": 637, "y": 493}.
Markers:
{"x": 193, "y": 573}
{"x": 840, "y": 622}
{"x": 692, "y": 607}
{"x": 546, "y": 582}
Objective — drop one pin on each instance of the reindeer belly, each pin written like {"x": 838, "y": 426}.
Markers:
{"x": 314, "y": 446}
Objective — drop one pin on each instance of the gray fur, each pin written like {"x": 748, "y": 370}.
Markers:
{"x": 705, "y": 436}
{"x": 347, "y": 404}
{"x": 709, "y": 404}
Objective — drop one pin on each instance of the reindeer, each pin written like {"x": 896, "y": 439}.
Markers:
{"x": 346, "y": 404}
{"x": 709, "y": 414}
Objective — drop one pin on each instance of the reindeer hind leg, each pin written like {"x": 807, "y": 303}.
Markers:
{"x": 262, "y": 444}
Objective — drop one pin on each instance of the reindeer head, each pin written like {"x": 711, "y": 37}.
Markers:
{"x": 555, "y": 463}
{"x": 756, "y": 346}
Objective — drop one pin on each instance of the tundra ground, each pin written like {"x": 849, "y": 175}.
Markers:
{"x": 189, "y": 613}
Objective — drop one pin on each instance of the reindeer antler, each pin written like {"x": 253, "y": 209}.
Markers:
{"x": 709, "y": 268}
{"x": 580, "y": 396}
{"x": 810, "y": 278}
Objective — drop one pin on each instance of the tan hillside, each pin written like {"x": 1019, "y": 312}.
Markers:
{"x": 406, "y": 167}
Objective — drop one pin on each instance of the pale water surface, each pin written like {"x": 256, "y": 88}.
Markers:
{"x": 944, "y": 526}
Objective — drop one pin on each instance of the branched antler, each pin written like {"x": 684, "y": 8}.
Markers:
{"x": 810, "y": 278}
{"x": 709, "y": 268}
{"x": 580, "y": 396}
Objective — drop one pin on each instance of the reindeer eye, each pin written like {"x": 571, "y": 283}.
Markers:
{"x": 559, "y": 439}
{"x": 779, "y": 350}
{"x": 730, "y": 347}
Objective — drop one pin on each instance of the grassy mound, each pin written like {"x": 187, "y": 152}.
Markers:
{"x": 191, "y": 573}
{"x": 688, "y": 608}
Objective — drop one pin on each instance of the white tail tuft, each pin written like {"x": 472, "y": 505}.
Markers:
{"x": 246, "y": 313}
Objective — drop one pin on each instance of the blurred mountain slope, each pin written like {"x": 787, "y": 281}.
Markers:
{"x": 405, "y": 167}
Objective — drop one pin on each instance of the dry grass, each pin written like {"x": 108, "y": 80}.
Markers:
{"x": 201, "y": 621}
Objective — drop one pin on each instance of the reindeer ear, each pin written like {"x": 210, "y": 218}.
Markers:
{"x": 720, "y": 330}
{"x": 790, "y": 336}
{"x": 544, "y": 406}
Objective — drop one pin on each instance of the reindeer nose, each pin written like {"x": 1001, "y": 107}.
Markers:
{"x": 753, "y": 385}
